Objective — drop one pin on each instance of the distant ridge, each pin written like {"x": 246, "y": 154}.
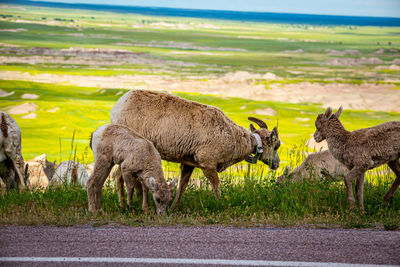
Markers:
{"x": 226, "y": 15}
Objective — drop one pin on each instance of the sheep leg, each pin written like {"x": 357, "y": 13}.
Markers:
{"x": 395, "y": 166}
{"x": 354, "y": 174}
{"x": 359, "y": 192}
{"x": 120, "y": 187}
{"x": 95, "y": 183}
{"x": 138, "y": 188}
{"x": 186, "y": 172}
{"x": 212, "y": 176}
{"x": 145, "y": 201}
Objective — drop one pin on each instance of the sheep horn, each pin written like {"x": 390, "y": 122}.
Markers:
{"x": 259, "y": 122}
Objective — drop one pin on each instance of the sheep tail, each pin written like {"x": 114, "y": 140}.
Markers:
{"x": 4, "y": 126}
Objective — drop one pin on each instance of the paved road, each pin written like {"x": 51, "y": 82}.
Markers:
{"x": 233, "y": 244}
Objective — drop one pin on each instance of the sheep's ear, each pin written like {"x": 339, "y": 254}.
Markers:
{"x": 328, "y": 112}
{"x": 275, "y": 132}
{"x": 252, "y": 128}
{"x": 153, "y": 184}
{"x": 339, "y": 112}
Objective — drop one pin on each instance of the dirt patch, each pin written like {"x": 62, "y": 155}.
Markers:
{"x": 354, "y": 61}
{"x": 29, "y": 96}
{"x": 53, "y": 110}
{"x": 23, "y": 108}
{"x": 367, "y": 96}
{"x": 30, "y": 116}
{"x": 266, "y": 111}
{"x": 83, "y": 56}
{"x": 5, "y": 94}
{"x": 311, "y": 143}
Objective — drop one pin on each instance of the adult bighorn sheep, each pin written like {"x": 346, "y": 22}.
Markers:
{"x": 360, "y": 150}
{"x": 12, "y": 163}
{"x": 139, "y": 160}
{"x": 195, "y": 135}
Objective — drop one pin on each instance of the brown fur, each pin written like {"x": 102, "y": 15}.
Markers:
{"x": 361, "y": 150}
{"x": 139, "y": 160}
{"x": 12, "y": 166}
{"x": 318, "y": 164}
{"x": 193, "y": 134}
{"x": 3, "y": 125}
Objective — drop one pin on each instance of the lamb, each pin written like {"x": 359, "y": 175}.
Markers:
{"x": 70, "y": 172}
{"x": 195, "y": 135}
{"x": 138, "y": 159}
{"x": 40, "y": 171}
{"x": 43, "y": 173}
{"x": 316, "y": 164}
{"x": 360, "y": 150}
{"x": 12, "y": 165}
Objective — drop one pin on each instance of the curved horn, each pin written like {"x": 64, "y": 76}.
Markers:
{"x": 259, "y": 122}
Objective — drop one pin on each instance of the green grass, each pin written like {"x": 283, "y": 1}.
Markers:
{"x": 252, "y": 201}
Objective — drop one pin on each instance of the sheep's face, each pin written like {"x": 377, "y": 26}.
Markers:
{"x": 162, "y": 194}
{"x": 320, "y": 134}
{"x": 321, "y": 123}
{"x": 271, "y": 143}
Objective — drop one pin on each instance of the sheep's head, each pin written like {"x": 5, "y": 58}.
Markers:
{"x": 270, "y": 143}
{"x": 162, "y": 194}
{"x": 322, "y": 121}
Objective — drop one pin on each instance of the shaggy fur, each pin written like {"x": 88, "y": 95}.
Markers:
{"x": 318, "y": 164}
{"x": 116, "y": 144}
{"x": 192, "y": 134}
{"x": 69, "y": 172}
{"x": 12, "y": 170}
{"x": 361, "y": 150}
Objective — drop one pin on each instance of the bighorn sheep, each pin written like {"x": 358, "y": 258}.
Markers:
{"x": 195, "y": 135}
{"x": 316, "y": 164}
{"x": 138, "y": 158}
{"x": 70, "y": 172}
{"x": 40, "y": 171}
{"x": 43, "y": 173}
{"x": 360, "y": 150}
{"x": 12, "y": 163}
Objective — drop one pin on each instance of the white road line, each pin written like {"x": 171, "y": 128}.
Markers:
{"x": 187, "y": 261}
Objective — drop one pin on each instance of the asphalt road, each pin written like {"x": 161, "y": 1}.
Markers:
{"x": 105, "y": 246}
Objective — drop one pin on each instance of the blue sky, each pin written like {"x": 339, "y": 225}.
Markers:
{"x": 376, "y": 8}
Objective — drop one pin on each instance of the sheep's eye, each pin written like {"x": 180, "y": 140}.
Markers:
{"x": 158, "y": 200}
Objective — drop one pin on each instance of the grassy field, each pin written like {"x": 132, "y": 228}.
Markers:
{"x": 79, "y": 65}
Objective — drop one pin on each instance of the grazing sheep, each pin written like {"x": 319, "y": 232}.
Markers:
{"x": 195, "y": 135}
{"x": 70, "y": 172}
{"x": 12, "y": 165}
{"x": 360, "y": 150}
{"x": 40, "y": 171}
{"x": 117, "y": 144}
{"x": 316, "y": 164}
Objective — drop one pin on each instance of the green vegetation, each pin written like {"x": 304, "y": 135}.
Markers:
{"x": 253, "y": 201}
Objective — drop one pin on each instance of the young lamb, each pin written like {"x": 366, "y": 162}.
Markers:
{"x": 361, "y": 150}
{"x": 40, "y": 171}
{"x": 70, "y": 172}
{"x": 138, "y": 158}
{"x": 316, "y": 164}
{"x": 12, "y": 165}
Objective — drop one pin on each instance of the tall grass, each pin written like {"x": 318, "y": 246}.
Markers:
{"x": 252, "y": 198}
